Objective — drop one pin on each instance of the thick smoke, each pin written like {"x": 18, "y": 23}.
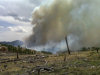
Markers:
{"x": 77, "y": 19}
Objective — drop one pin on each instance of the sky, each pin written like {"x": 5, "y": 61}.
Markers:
{"x": 82, "y": 21}
{"x": 15, "y": 18}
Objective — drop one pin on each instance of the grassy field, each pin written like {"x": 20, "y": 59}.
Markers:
{"x": 78, "y": 63}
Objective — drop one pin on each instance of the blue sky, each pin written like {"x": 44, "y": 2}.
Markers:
{"x": 15, "y": 18}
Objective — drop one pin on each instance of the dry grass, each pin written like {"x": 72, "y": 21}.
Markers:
{"x": 78, "y": 63}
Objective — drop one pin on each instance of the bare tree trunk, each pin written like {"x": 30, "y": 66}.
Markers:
{"x": 67, "y": 48}
{"x": 97, "y": 50}
{"x": 39, "y": 72}
{"x": 67, "y": 45}
{"x": 64, "y": 57}
{"x": 17, "y": 55}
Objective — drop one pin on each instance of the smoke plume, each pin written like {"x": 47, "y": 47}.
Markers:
{"x": 77, "y": 19}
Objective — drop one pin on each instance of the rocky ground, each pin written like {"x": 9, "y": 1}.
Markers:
{"x": 78, "y": 63}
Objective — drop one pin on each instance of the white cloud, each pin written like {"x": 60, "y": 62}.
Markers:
{"x": 11, "y": 36}
{"x": 19, "y": 29}
{"x": 19, "y": 26}
{"x": 11, "y": 19}
{"x": 2, "y": 7}
{"x": 15, "y": 33}
{"x": 23, "y": 9}
{"x": 1, "y": 27}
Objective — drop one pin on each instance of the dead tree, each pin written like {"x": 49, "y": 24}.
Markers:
{"x": 67, "y": 48}
{"x": 17, "y": 55}
{"x": 67, "y": 45}
{"x": 18, "y": 52}
{"x": 97, "y": 49}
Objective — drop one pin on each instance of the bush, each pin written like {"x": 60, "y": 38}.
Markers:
{"x": 45, "y": 52}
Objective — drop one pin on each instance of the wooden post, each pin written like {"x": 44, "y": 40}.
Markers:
{"x": 39, "y": 72}
{"x": 17, "y": 55}
{"x": 67, "y": 45}
{"x": 67, "y": 48}
{"x": 97, "y": 50}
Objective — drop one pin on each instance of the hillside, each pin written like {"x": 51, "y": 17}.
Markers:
{"x": 13, "y": 43}
{"x": 78, "y": 63}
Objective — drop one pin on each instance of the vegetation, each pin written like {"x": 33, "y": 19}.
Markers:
{"x": 18, "y": 49}
{"x": 77, "y": 63}
{"x": 45, "y": 52}
{"x": 91, "y": 48}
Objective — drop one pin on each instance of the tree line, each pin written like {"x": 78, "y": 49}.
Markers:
{"x": 91, "y": 48}
{"x": 18, "y": 49}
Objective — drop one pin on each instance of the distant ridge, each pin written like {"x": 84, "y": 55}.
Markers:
{"x": 13, "y": 43}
